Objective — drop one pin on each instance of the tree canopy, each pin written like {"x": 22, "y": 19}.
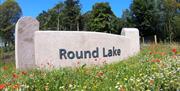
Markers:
{"x": 160, "y": 17}
{"x": 10, "y": 12}
{"x": 64, "y": 16}
{"x": 155, "y": 17}
{"x": 102, "y": 18}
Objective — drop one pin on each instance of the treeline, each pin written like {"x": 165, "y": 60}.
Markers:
{"x": 151, "y": 17}
{"x": 67, "y": 16}
{"x": 10, "y": 12}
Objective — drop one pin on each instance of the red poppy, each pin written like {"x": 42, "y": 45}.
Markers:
{"x": 24, "y": 73}
{"x": 2, "y": 86}
{"x": 150, "y": 53}
{"x": 15, "y": 75}
{"x": 174, "y": 50}
{"x": 153, "y": 60}
{"x": 5, "y": 68}
{"x": 16, "y": 86}
{"x": 156, "y": 60}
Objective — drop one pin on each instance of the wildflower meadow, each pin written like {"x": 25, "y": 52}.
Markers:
{"x": 155, "y": 68}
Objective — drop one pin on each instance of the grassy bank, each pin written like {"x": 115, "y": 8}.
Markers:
{"x": 156, "y": 67}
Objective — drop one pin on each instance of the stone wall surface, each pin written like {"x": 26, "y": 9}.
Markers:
{"x": 50, "y": 49}
{"x": 24, "y": 42}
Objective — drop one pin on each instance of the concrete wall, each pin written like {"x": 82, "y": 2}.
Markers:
{"x": 42, "y": 48}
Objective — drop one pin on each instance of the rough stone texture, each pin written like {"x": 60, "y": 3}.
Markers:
{"x": 24, "y": 42}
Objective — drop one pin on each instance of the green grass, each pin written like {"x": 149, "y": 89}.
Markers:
{"x": 155, "y": 68}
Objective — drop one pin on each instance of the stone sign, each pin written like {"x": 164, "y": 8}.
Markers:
{"x": 56, "y": 49}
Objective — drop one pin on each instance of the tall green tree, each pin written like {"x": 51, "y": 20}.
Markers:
{"x": 146, "y": 16}
{"x": 170, "y": 7}
{"x": 127, "y": 18}
{"x": 177, "y": 27}
{"x": 10, "y": 12}
{"x": 177, "y": 21}
{"x": 71, "y": 15}
{"x": 155, "y": 17}
{"x": 64, "y": 16}
{"x": 102, "y": 18}
{"x": 51, "y": 19}
{"x": 85, "y": 21}
{"x": 43, "y": 18}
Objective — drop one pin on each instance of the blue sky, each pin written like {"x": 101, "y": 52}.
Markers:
{"x": 34, "y": 7}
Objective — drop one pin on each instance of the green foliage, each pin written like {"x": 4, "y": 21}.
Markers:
{"x": 146, "y": 15}
{"x": 85, "y": 20}
{"x": 127, "y": 18}
{"x": 170, "y": 7}
{"x": 64, "y": 16}
{"x": 155, "y": 17}
{"x": 10, "y": 12}
{"x": 102, "y": 18}
{"x": 149, "y": 16}
{"x": 51, "y": 19}
{"x": 177, "y": 27}
{"x": 71, "y": 15}
{"x": 155, "y": 68}
{"x": 67, "y": 16}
